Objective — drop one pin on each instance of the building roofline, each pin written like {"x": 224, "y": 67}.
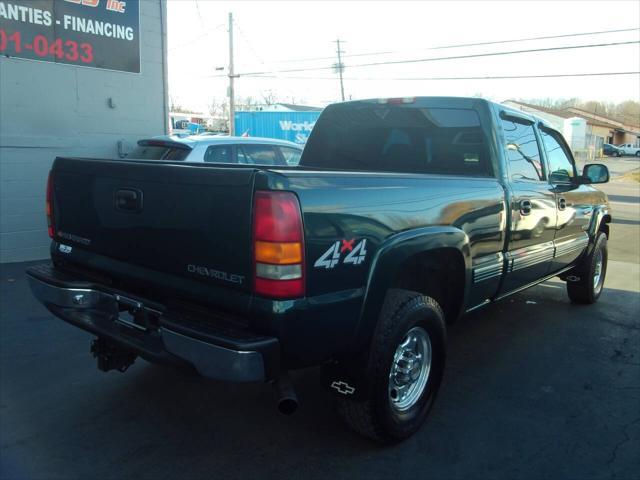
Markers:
{"x": 622, "y": 125}
{"x": 584, "y": 114}
{"x": 552, "y": 111}
{"x": 300, "y": 108}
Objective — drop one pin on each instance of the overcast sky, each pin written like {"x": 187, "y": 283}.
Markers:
{"x": 274, "y": 36}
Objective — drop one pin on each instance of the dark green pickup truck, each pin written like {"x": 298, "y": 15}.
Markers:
{"x": 402, "y": 215}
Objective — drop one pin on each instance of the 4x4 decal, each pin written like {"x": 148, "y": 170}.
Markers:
{"x": 355, "y": 256}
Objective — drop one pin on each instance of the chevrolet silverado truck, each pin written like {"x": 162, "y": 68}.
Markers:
{"x": 403, "y": 215}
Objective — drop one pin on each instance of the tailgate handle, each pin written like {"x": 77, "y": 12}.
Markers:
{"x": 128, "y": 200}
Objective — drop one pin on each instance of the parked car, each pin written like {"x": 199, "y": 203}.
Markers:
{"x": 219, "y": 149}
{"x": 629, "y": 149}
{"x": 611, "y": 150}
{"x": 403, "y": 215}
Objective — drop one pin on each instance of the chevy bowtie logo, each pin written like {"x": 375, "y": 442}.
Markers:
{"x": 343, "y": 387}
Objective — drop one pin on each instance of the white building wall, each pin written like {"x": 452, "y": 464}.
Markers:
{"x": 575, "y": 132}
{"x": 49, "y": 110}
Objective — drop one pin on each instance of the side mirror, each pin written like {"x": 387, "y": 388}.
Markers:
{"x": 595, "y": 173}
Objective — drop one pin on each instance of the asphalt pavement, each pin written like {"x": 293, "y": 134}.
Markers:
{"x": 535, "y": 387}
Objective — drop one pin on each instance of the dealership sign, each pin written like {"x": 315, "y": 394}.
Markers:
{"x": 91, "y": 33}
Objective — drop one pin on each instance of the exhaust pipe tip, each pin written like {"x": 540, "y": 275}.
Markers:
{"x": 287, "y": 406}
{"x": 287, "y": 400}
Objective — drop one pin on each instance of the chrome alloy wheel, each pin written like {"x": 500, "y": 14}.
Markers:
{"x": 410, "y": 369}
{"x": 598, "y": 276}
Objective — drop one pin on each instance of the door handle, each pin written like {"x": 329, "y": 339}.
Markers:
{"x": 562, "y": 203}
{"x": 525, "y": 207}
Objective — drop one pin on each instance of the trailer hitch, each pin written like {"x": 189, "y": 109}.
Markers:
{"x": 111, "y": 356}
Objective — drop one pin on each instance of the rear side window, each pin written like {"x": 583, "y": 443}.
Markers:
{"x": 158, "y": 152}
{"x": 218, "y": 154}
{"x": 522, "y": 150}
{"x": 257, "y": 155}
{"x": 291, "y": 155}
{"x": 399, "y": 138}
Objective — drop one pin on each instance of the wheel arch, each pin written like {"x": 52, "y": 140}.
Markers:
{"x": 599, "y": 222}
{"x": 404, "y": 260}
{"x": 603, "y": 226}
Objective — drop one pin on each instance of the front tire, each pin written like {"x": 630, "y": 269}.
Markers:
{"x": 406, "y": 363}
{"x": 592, "y": 271}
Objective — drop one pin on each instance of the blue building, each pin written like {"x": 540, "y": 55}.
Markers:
{"x": 282, "y": 121}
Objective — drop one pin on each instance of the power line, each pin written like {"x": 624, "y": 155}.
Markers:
{"x": 548, "y": 37}
{"x": 459, "y": 45}
{"x": 197, "y": 38}
{"x": 199, "y": 14}
{"x": 460, "y": 57}
{"x": 493, "y": 77}
{"x": 435, "y": 59}
{"x": 493, "y": 54}
{"x": 256, "y": 55}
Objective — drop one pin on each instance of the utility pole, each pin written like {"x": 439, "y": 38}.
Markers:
{"x": 232, "y": 105}
{"x": 340, "y": 67}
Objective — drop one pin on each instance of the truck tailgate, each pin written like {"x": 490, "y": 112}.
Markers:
{"x": 188, "y": 220}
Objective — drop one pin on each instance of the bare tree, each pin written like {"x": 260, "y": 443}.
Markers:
{"x": 219, "y": 110}
{"x": 269, "y": 97}
{"x": 246, "y": 104}
{"x": 629, "y": 112}
{"x": 596, "y": 107}
{"x": 214, "y": 107}
{"x": 174, "y": 106}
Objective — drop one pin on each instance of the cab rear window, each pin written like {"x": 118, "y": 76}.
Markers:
{"x": 400, "y": 138}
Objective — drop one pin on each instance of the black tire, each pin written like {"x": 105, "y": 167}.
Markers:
{"x": 376, "y": 417}
{"x": 638, "y": 153}
{"x": 586, "y": 290}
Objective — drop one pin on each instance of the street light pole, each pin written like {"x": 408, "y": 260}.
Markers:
{"x": 340, "y": 68}
{"x": 232, "y": 105}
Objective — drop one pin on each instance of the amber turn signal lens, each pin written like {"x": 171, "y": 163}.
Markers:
{"x": 278, "y": 253}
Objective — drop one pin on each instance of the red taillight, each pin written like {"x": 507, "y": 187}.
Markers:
{"x": 277, "y": 217}
{"x": 278, "y": 245}
{"x": 49, "y": 206}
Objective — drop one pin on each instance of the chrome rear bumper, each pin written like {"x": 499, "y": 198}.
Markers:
{"x": 235, "y": 358}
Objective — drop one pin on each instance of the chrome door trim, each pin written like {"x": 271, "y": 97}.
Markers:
{"x": 530, "y": 256}
{"x": 572, "y": 245}
{"x": 488, "y": 267}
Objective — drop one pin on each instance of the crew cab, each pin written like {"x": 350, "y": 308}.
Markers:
{"x": 403, "y": 215}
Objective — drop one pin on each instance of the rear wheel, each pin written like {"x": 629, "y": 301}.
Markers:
{"x": 405, "y": 368}
{"x": 591, "y": 273}
{"x": 638, "y": 153}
